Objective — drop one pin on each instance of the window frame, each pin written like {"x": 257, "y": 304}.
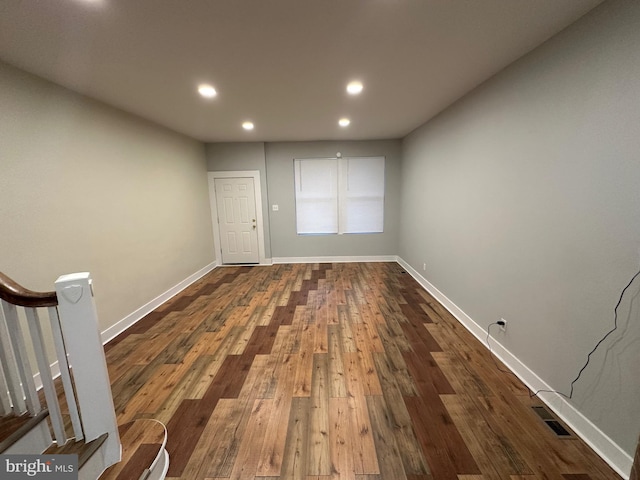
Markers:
{"x": 344, "y": 202}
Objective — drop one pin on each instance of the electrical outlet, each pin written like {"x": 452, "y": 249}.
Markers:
{"x": 424, "y": 267}
{"x": 503, "y": 325}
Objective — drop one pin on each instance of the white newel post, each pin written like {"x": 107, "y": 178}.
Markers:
{"x": 79, "y": 322}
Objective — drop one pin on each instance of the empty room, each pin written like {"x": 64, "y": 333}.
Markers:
{"x": 295, "y": 239}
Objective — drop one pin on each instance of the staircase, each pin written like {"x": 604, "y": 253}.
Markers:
{"x": 55, "y": 395}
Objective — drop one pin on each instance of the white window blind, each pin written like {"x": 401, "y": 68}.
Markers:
{"x": 316, "y": 196}
{"x": 339, "y": 195}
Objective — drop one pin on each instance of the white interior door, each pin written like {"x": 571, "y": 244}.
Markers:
{"x": 236, "y": 204}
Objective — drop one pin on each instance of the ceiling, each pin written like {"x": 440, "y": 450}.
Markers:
{"x": 283, "y": 64}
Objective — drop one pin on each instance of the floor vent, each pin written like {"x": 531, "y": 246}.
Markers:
{"x": 548, "y": 418}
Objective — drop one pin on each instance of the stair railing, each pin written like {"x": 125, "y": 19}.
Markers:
{"x": 67, "y": 319}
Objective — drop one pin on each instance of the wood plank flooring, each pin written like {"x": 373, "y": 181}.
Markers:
{"x": 326, "y": 372}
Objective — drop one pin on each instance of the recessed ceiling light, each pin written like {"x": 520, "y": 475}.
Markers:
{"x": 344, "y": 122}
{"x": 207, "y": 91}
{"x": 248, "y": 125}
{"x": 354, "y": 88}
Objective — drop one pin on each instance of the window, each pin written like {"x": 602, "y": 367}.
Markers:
{"x": 339, "y": 195}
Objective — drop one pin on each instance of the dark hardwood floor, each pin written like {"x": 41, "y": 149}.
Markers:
{"x": 330, "y": 371}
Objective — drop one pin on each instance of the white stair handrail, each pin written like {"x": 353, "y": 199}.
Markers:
{"x": 5, "y": 397}
{"x": 16, "y": 361}
{"x": 79, "y": 323}
{"x": 63, "y": 367}
{"x": 55, "y": 413}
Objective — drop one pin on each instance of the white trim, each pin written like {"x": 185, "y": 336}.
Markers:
{"x": 38, "y": 439}
{"x": 160, "y": 466}
{"x": 267, "y": 263}
{"x": 255, "y": 174}
{"x": 55, "y": 373}
{"x": 128, "y": 321}
{"x": 339, "y": 259}
{"x": 116, "y": 329}
{"x": 600, "y": 442}
{"x": 160, "y": 472}
{"x": 604, "y": 446}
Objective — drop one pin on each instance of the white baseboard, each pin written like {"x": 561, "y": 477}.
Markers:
{"x": 55, "y": 373}
{"x": 337, "y": 259}
{"x": 267, "y": 262}
{"x": 604, "y": 446}
{"x": 116, "y": 329}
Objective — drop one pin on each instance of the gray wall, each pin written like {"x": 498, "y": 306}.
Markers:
{"x": 85, "y": 187}
{"x": 284, "y": 240}
{"x": 523, "y": 199}
{"x": 225, "y": 157}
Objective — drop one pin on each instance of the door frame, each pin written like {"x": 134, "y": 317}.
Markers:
{"x": 255, "y": 174}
